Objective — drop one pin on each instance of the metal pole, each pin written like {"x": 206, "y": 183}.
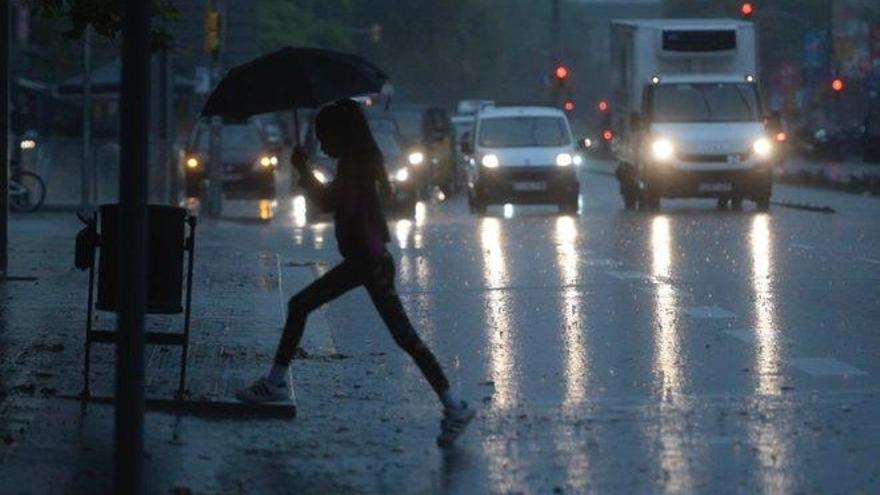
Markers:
{"x": 829, "y": 58}
{"x": 85, "y": 169}
{"x": 133, "y": 191}
{"x": 4, "y": 137}
{"x": 215, "y": 143}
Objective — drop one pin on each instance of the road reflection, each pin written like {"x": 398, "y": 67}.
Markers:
{"x": 574, "y": 457}
{"x": 575, "y": 359}
{"x": 267, "y": 209}
{"x": 772, "y": 445}
{"x": 498, "y": 325}
{"x": 504, "y": 461}
{"x": 767, "y": 349}
{"x": 666, "y": 311}
{"x": 299, "y": 211}
{"x": 675, "y": 453}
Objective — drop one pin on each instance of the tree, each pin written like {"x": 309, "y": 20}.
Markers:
{"x": 105, "y": 17}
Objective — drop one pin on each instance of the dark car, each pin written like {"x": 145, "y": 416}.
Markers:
{"x": 248, "y": 162}
{"x": 402, "y": 174}
{"x": 428, "y": 131}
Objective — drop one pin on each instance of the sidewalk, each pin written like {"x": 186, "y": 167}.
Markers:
{"x": 244, "y": 274}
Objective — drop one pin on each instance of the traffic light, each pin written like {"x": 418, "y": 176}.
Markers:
{"x": 747, "y": 9}
{"x": 603, "y": 106}
{"x": 212, "y": 31}
{"x": 837, "y": 85}
{"x": 569, "y": 105}
{"x": 561, "y": 73}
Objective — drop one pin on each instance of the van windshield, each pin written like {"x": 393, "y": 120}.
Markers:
{"x": 523, "y": 132}
{"x": 704, "y": 102}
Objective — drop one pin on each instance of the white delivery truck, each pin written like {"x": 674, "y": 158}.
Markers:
{"x": 688, "y": 117}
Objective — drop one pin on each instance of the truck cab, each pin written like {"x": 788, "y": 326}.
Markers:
{"x": 694, "y": 124}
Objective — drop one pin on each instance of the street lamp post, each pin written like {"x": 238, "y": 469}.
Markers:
{"x": 133, "y": 192}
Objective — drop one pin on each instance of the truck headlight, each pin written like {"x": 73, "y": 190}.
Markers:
{"x": 763, "y": 148}
{"x": 663, "y": 150}
{"x": 564, "y": 160}
{"x": 401, "y": 175}
{"x": 192, "y": 163}
{"x": 320, "y": 176}
{"x": 416, "y": 158}
{"x": 490, "y": 161}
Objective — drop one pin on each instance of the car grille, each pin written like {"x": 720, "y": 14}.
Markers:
{"x": 527, "y": 173}
{"x": 704, "y": 158}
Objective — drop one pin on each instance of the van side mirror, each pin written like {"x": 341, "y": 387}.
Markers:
{"x": 636, "y": 122}
{"x": 466, "y": 147}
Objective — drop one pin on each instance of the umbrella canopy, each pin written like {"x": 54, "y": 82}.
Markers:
{"x": 292, "y": 78}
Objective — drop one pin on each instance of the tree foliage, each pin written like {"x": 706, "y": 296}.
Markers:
{"x": 105, "y": 17}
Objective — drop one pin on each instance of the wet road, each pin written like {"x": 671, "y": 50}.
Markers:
{"x": 689, "y": 350}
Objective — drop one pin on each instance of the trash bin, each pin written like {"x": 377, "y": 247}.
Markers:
{"x": 166, "y": 237}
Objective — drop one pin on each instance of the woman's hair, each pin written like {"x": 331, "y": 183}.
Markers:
{"x": 345, "y": 119}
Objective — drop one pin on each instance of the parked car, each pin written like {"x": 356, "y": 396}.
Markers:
{"x": 248, "y": 162}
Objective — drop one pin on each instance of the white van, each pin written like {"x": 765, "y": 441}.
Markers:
{"x": 523, "y": 155}
{"x": 688, "y": 119}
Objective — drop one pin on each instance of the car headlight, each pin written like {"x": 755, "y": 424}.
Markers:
{"x": 577, "y": 160}
{"x": 663, "y": 149}
{"x": 416, "y": 158}
{"x": 564, "y": 160}
{"x": 401, "y": 175}
{"x": 268, "y": 161}
{"x": 320, "y": 176}
{"x": 192, "y": 162}
{"x": 763, "y": 148}
{"x": 490, "y": 161}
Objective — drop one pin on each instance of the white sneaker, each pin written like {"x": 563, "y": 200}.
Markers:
{"x": 264, "y": 390}
{"x": 454, "y": 423}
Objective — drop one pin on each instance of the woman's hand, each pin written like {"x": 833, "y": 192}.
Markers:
{"x": 299, "y": 159}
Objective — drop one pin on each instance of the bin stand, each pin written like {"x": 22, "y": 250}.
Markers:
{"x": 152, "y": 338}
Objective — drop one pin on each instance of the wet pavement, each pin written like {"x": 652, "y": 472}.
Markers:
{"x": 690, "y": 350}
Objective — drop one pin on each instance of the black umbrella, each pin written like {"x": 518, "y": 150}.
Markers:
{"x": 292, "y": 78}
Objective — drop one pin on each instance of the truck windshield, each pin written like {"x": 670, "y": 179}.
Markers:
{"x": 523, "y": 132}
{"x": 704, "y": 102}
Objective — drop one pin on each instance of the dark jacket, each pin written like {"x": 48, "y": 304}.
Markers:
{"x": 361, "y": 228}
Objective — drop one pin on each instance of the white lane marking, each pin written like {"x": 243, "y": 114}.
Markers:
{"x": 708, "y": 313}
{"x": 825, "y": 367}
{"x": 624, "y": 275}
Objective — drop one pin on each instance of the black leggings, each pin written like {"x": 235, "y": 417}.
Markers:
{"x": 377, "y": 276}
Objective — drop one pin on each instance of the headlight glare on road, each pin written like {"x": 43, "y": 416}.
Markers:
{"x": 490, "y": 161}
{"x": 663, "y": 150}
{"x": 416, "y": 158}
{"x": 564, "y": 160}
{"x": 401, "y": 175}
{"x": 320, "y": 176}
{"x": 763, "y": 148}
{"x": 192, "y": 162}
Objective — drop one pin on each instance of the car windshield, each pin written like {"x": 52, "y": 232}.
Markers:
{"x": 237, "y": 137}
{"x": 522, "y": 132}
{"x": 388, "y": 145}
{"x": 704, "y": 102}
{"x": 409, "y": 122}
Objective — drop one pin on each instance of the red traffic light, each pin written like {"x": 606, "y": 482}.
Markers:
{"x": 568, "y": 105}
{"x": 603, "y": 106}
{"x": 608, "y": 135}
{"x": 837, "y": 85}
{"x": 747, "y": 9}
{"x": 561, "y": 72}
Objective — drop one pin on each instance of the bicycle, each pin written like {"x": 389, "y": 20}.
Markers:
{"x": 27, "y": 191}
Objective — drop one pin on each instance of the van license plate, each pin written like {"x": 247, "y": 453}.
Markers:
{"x": 716, "y": 187}
{"x": 529, "y": 186}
